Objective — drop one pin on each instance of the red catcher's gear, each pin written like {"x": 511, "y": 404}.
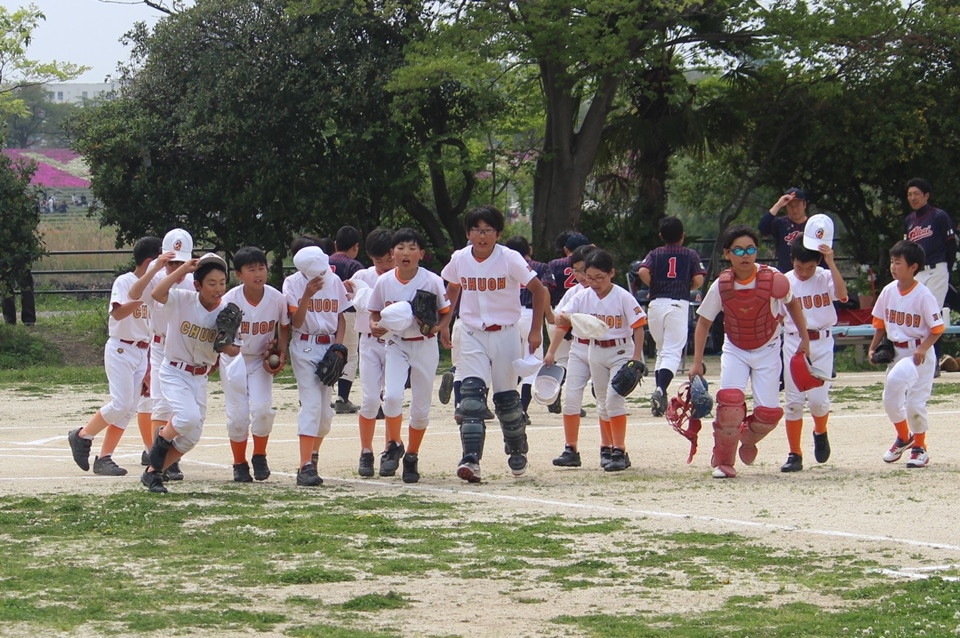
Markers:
{"x": 747, "y": 319}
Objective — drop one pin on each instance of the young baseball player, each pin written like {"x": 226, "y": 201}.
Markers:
{"x": 344, "y": 264}
{"x": 816, "y": 289}
{"x": 625, "y": 321}
{"x": 753, "y": 299}
{"x": 125, "y": 362}
{"x": 379, "y": 245}
{"x": 408, "y": 352}
{"x": 520, "y": 244}
{"x": 316, "y": 302}
{"x": 671, "y": 272}
{"x": 908, "y": 314}
{"x": 489, "y": 276}
{"x": 188, "y": 358}
{"x": 250, "y": 407}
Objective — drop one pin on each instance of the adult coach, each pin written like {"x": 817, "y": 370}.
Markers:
{"x": 785, "y": 230}
{"x": 933, "y": 229}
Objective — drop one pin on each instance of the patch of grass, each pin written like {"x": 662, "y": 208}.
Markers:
{"x": 21, "y": 347}
{"x": 857, "y": 394}
{"x": 336, "y": 631}
{"x": 29, "y": 379}
{"x": 376, "y": 602}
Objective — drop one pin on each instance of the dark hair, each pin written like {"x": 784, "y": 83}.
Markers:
{"x": 488, "y": 214}
{"x": 518, "y": 243}
{"x": 147, "y": 248}
{"x": 920, "y": 183}
{"x": 911, "y": 251}
{"x": 581, "y": 253}
{"x": 562, "y": 240}
{"x": 347, "y": 238}
{"x": 303, "y": 241}
{"x": 671, "y": 230}
{"x": 204, "y": 270}
{"x": 740, "y": 230}
{"x": 327, "y": 245}
{"x": 405, "y": 235}
{"x": 248, "y": 255}
{"x": 379, "y": 242}
{"x": 799, "y": 252}
{"x": 599, "y": 259}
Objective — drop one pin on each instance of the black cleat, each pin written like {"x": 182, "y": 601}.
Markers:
{"x": 153, "y": 482}
{"x": 80, "y": 448}
{"x": 411, "y": 474}
{"x": 390, "y": 460}
{"x": 106, "y": 467}
{"x": 619, "y": 461}
{"x": 606, "y": 452}
{"x": 365, "y": 469}
{"x": 794, "y": 463}
{"x": 241, "y": 473}
{"x": 308, "y": 477}
{"x": 469, "y": 469}
{"x": 555, "y": 407}
{"x": 517, "y": 462}
{"x": 446, "y": 387}
{"x": 144, "y": 458}
{"x": 569, "y": 458}
{"x": 821, "y": 447}
{"x": 261, "y": 471}
{"x": 173, "y": 473}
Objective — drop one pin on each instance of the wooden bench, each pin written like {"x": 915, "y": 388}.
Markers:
{"x": 860, "y": 336}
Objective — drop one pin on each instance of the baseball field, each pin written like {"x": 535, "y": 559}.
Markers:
{"x": 853, "y": 547}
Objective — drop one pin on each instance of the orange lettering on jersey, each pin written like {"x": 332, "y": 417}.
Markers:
{"x": 141, "y": 312}
{"x": 480, "y": 284}
{"x": 207, "y": 334}
{"x": 612, "y": 321}
{"x": 903, "y": 319}
{"x": 324, "y": 305}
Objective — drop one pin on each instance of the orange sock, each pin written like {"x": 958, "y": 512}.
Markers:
{"x": 239, "y": 449}
{"x": 110, "y": 440}
{"x": 606, "y": 439}
{"x": 903, "y": 430}
{"x": 368, "y": 428}
{"x": 260, "y": 445}
{"x": 618, "y": 431}
{"x": 416, "y": 438}
{"x": 146, "y": 428}
{"x": 820, "y": 423}
{"x": 920, "y": 440}
{"x": 571, "y": 429}
{"x": 394, "y": 425}
{"x": 794, "y": 430}
{"x": 307, "y": 444}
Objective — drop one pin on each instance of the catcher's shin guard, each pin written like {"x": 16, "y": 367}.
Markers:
{"x": 473, "y": 432}
{"x": 158, "y": 452}
{"x": 731, "y": 411}
{"x": 754, "y": 428}
{"x": 473, "y": 398}
{"x": 510, "y": 412}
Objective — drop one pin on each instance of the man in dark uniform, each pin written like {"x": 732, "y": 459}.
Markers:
{"x": 785, "y": 229}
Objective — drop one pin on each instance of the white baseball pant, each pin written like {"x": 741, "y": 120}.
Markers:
{"x": 604, "y": 363}
{"x": 316, "y": 414}
{"x": 907, "y": 388}
{"x": 578, "y": 375}
{"x": 351, "y": 340}
{"x": 126, "y": 365}
{"x": 761, "y": 367}
{"x": 455, "y": 349}
{"x": 186, "y": 394}
{"x": 252, "y": 410}
{"x": 526, "y": 320}
{"x": 161, "y": 409}
{"x": 490, "y": 356}
{"x": 373, "y": 356}
{"x": 421, "y": 358}
{"x": 668, "y": 320}
{"x": 936, "y": 279}
{"x": 821, "y": 356}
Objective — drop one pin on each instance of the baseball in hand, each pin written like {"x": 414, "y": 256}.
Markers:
{"x": 273, "y": 360}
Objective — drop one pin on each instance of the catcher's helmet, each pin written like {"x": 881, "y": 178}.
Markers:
{"x": 802, "y": 375}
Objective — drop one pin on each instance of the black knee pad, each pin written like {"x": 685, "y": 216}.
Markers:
{"x": 472, "y": 435}
{"x": 473, "y": 398}
{"x": 510, "y": 412}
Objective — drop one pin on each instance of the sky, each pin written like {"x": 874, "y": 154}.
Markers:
{"x": 85, "y": 32}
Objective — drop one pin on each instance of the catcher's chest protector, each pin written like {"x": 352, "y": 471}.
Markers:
{"x": 747, "y": 319}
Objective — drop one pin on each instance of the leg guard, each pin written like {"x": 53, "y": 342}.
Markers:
{"x": 731, "y": 411}
{"x": 473, "y": 398}
{"x": 754, "y": 428}
{"x": 510, "y": 412}
{"x": 158, "y": 453}
{"x": 472, "y": 435}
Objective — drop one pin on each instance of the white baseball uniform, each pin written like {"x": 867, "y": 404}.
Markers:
{"x": 309, "y": 343}
{"x": 760, "y": 366}
{"x": 252, "y": 410}
{"x": 409, "y": 350}
{"x": 490, "y": 311}
{"x": 125, "y": 355}
{"x": 908, "y": 318}
{"x": 578, "y": 359}
{"x": 155, "y": 403}
{"x": 188, "y": 357}
{"x": 373, "y": 354}
{"x": 622, "y": 314}
{"x": 816, "y": 296}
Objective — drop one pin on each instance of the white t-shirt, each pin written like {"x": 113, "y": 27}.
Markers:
{"x": 391, "y": 289}
{"x": 712, "y": 304}
{"x": 914, "y": 315}
{"x": 489, "y": 289}
{"x": 191, "y": 329}
{"x": 260, "y": 320}
{"x": 324, "y": 307}
{"x": 816, "y": 296}
{"x": 135, "y": 326}
{"x": 619, "y": 310}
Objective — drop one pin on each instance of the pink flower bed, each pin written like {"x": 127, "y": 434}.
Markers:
{"x": 46, "y": 174}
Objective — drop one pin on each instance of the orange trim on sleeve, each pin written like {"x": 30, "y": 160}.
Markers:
{"x": 844, "y": 300}
{"x": 879, "y": 323}
{"x": 291, "y": 309}
{"x": 938, "y": 329}
{"x": 642, "y": 321}
{"x": 444, "y": 311}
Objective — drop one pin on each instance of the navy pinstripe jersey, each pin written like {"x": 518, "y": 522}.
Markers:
{"x": 931, "y": 228}
{"x": 672, "y": 269}
{"x": 526, "y": 298}
{"x": 785, "y": 231}
{"x": 558, "y": 278}
{"x": 344, "y": 266}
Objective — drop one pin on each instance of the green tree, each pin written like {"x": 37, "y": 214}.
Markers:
{"x": 21, "y": 243}
{"x": 41, "y": 121}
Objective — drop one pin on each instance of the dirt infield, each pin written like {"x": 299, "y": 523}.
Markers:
{"x": 854, "y": 503}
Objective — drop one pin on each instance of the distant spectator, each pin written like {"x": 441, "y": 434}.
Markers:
{"x": 28, "y": 308}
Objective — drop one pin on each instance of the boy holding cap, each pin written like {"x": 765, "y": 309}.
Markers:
{"x": 785, "y": 229}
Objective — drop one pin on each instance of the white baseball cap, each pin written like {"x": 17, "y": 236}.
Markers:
{"x": 212, "y": 258}
{"x": 396, "y": 317}
{"x": 180, "y": 242}
{"x": 819, "y": 230}
{"x": 312, "y": 262}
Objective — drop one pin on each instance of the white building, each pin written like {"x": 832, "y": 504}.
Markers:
{"x": 78, "y": 93}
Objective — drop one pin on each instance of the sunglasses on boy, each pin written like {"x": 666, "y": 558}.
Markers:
{"x": 739, "y": 251}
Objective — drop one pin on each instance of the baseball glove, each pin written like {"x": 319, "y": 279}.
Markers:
{"x": 330, "y": 367}
{"x": 949, "y": 364}
{"x": 228, "y": 324}
{"x": 883, "y": 353}
{"x": 627, "y": 377}
{"x": 426, "y": 310}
